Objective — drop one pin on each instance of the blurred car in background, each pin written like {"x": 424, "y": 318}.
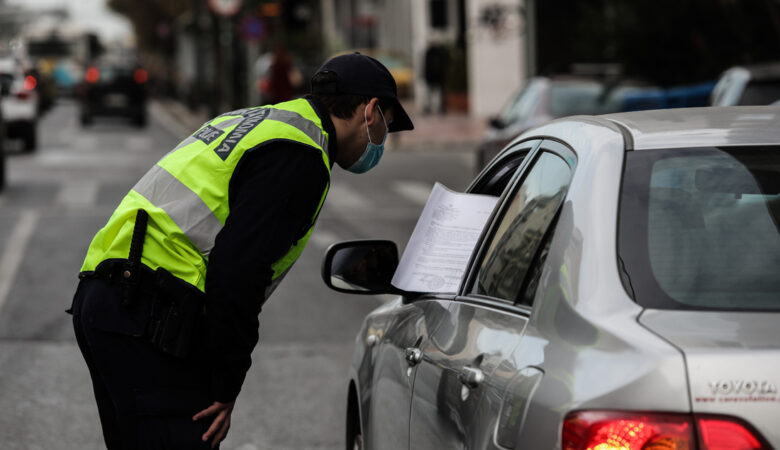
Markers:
{"x": 623, "y": 294}
{"x": 546, "y": 98}
{"x": 396, "y": 62}
{"x": 748, "y": 85}
{"x": 19, "y": 103}
{"x": 114, "y": 88}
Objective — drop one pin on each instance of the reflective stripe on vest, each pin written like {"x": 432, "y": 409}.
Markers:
{"x": 186, "y": 192}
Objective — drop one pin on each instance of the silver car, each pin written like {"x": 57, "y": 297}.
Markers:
{"x": 624, "y": 294}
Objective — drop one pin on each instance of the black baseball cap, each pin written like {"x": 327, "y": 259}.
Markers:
{"x": 360, "y": 74}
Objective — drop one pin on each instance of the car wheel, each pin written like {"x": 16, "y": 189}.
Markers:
{"x": 2, "y": 163}
{"x": 354, "y": 430}
{"x": 86, "y": 120}
{"x": 31, "y": 138}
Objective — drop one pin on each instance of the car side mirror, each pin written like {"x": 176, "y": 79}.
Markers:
{"x": 361, "y": 267}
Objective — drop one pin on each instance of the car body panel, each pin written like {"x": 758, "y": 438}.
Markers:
{"x": 386, "y": 378}
{"x": 733, "y": 362}
{"x": 471, "y": 338}
{"x": 584, "y": 344}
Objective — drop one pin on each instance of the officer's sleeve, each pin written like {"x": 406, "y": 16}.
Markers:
{"x": 274, "y": 194}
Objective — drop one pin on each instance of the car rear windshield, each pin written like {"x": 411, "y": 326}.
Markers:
{"x": 700, "y": 228}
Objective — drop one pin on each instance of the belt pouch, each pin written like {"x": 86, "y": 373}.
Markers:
{"x": 176, "y": 316}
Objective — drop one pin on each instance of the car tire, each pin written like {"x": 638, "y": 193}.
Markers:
{"x": 86, "y": 120}
{"x": 2, "y": 162}
{"x": 30, "y": 137}
{"x": 354, "y": 429}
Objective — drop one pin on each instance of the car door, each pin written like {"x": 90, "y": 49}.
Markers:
{"x": 466, "y": 376}
{"x": 397, "y": 346}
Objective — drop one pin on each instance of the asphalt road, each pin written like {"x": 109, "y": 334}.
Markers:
{"x": 295, "y": 394}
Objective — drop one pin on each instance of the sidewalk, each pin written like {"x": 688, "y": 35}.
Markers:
{"x": 431, "y": 132}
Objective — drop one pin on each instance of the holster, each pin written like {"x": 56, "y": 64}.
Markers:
{"x": 177, "y": 314}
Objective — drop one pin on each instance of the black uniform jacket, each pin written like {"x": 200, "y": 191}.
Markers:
{"x": 274, "y": 193}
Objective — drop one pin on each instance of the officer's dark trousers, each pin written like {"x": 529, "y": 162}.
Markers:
{"x": 145, "y": 398}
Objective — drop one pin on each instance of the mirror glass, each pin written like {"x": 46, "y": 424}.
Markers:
{"x": 364, "y": 268}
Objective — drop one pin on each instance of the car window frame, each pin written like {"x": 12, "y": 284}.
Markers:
{"x": 549, "y": 145}
{"x": 490, "y": 174}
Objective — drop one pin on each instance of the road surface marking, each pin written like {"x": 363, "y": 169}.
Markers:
{"x": 15, "y": 250}
{"x": 78, "y": 193}
{"x": 160, "y": 116}
{"x": 345, "y": 198}
{"x": 415, "y": 191}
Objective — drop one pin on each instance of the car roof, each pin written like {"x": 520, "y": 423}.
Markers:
{"x": 700, "y": 127}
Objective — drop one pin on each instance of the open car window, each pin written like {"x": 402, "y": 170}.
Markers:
{"x": 496, "y": 176}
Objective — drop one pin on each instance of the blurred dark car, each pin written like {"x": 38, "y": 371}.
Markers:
{"x": 114, "y": 89}
{"x": 546, "y": 98}
{"x": 748, "y": 85}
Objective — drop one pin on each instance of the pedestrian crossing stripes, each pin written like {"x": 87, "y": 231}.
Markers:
{"x": 414, "y": 191}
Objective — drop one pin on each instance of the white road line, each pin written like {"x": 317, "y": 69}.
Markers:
{"x": 323, "y": 238}
{"x": 175, "y": 128}
{"x": 138, "y": 143}
{"x": 15, "y": 250}
{"x": 345, "y": 198}
{"x": 78, "y": 193}
{"x": 415, "y": 191}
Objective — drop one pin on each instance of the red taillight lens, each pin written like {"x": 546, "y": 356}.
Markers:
{"x": 140, "y": 76}
{"x": 614, "y": 430}
{"x": 92, "y": 75}
{"x": 22, "y": 95}
{"x": 30, "y": 82}
{"x": 724, "y": 434}
{"x": 602, "y": 430}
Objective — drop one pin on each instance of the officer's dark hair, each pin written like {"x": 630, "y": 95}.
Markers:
{"x": 341, "y": 105}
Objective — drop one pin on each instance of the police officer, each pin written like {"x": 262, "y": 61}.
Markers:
{"x": 165, "y": 313}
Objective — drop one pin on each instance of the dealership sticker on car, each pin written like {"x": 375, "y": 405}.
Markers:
{"x": 740, "y": 391}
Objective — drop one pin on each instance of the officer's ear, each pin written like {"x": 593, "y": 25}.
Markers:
{"x": 370, "y": 111}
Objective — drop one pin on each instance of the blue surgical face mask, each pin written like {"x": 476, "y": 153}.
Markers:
{"x": 373, "y": 153}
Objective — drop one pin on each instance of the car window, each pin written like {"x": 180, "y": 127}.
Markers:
{"x": 700, "y": 228}
{"x": 520, "y": 233}
{"x": 496, "y": 177}
{"x": 523, "y": 105}
{"x": 761, "y": 92}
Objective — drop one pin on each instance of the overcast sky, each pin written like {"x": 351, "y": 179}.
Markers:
{"x": 91, "y": 14}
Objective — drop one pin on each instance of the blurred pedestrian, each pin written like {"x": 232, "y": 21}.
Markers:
{"x": 283, "y": 78}
{"x": 434, "y": 69}
{"x": 166, "y": 311}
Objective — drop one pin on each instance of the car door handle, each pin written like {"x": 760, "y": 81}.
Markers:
{"x": 413, "y": 356}
{"x": 471, "y": 377}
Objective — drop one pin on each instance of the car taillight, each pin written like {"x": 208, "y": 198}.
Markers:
{"x": 603, "y": 430}
{"x": 140, "y": 76}
{"x": 30, "y": 82}
{"x": 613, "y": 430}
{"x": 718, "y": 433}
{"x": 92, "y": 75}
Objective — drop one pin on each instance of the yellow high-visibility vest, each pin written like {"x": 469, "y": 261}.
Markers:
{"x": 186, "y": 192}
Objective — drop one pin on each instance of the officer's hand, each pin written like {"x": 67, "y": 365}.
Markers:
{"x": 221, "y": 424}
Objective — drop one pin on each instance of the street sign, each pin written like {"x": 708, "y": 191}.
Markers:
{"x": 225, "y": 8}
{"x": 252, "y": 29}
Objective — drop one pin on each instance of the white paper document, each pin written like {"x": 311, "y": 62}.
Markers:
{"x": 443, "y": 239}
